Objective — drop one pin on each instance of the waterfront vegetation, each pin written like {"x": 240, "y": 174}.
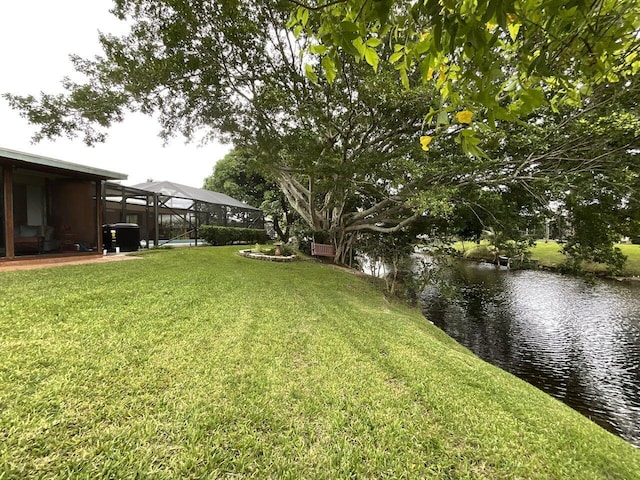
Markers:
{"x": 199, "y": 363}
{"x": 547, "y": 254}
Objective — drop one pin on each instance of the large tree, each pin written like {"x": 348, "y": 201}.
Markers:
{"x": 345, "y": 154}
{"x": 351, "y": 148}
{"x": 238, "y": 175}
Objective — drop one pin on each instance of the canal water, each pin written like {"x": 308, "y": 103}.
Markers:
{"x": 577, "y": 340}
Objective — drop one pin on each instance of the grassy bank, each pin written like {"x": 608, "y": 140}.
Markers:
{"x": 548, "y": 254}
{"x": 197, "y": 363}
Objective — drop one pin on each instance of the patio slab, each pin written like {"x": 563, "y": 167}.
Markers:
{"x": 57, "y": 261}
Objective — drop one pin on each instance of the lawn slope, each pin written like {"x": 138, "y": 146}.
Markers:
{"x": 198, "y": 363}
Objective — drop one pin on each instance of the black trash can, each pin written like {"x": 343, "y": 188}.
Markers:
{"x": 123, "y": 235}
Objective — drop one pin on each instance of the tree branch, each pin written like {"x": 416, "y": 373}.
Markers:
{"x": 319, "y": 7}
{"x": 377, "y": 228}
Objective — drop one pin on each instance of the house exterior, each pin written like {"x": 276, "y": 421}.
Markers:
{"x": 49, "y": 206}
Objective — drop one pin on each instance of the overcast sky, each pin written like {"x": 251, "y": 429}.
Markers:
{"x": 36, "y": 39}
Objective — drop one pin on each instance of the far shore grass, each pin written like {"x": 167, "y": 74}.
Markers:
{"x": 547, "y": 254}
{"x": 198, "y": 363}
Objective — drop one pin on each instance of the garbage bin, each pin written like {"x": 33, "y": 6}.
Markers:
{"x": 123, "y": 235}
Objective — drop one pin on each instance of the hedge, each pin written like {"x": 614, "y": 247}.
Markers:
{"x": 228, "y": 235}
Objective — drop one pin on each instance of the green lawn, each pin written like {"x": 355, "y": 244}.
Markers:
{"x": 548, "y": 254}
{"x": 197, "y": 363}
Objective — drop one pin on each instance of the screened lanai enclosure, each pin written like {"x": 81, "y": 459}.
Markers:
{"x": 49, "y": 206}
{"x": 169, "y": 212}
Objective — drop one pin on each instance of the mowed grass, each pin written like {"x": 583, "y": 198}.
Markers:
{"x": 548, "y": 254}
{"x": 197, "y": 363}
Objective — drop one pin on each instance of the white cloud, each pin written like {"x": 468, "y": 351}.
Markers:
{"x": 37, "y": 37}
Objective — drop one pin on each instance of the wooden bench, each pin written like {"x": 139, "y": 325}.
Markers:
{"x": 322, "y": 250}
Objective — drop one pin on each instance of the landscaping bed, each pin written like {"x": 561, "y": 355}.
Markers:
{"x": 275, "y": 253}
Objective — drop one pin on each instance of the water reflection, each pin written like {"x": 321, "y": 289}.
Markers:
{"x": 579, "y": 342}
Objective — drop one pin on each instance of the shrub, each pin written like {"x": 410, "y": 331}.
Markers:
{"x": 227, "y": 235}
{"x": 284, "y": 250}
{"x": 479, "y": 252}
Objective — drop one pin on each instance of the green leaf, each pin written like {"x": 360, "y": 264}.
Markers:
{"x": 430, "y": 115}
{"x": 329, "y": 68}
{"x": 477, "y": 151}
{"x": 423, "y": 46}
{"x": 491, "y": 118}
{"x": 346, "y": 42}
{"x": 395, "y": 57}
{"x": 403, "y": 76}
{"x": 514, "y": 28}
{"x": 349, "y": 27}
{"x": 452, "y": 29}
{"x": 424, "y": 69}
{"x": 373, "y": 42}
{"x": 437, "y": 35}
{"x": 469, "y": 144}
{"x": 531, "y": 98}
{"x": 292, "y": 21}
{"x": 360, "y": 46}
{"x": 310, "y": 73}
{"x": 318, "y": 49}
{"x": 371, "y": 56}
{"x": 488, "y": 13}
{"x": 443, "y": 118}
{"x": 503, "y": 114}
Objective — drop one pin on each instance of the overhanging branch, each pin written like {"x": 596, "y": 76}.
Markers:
{"x": 373, "y": 227}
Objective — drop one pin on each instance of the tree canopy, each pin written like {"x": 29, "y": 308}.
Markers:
{"x": 234, "y": 175}
{"x": 490, "y": 60}
{"x": 496, "y": 99}
{"x": 237, "y": 175}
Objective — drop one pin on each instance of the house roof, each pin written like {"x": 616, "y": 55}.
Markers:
{"x": 31, "y": 160}
{"x": 177, "y": 190}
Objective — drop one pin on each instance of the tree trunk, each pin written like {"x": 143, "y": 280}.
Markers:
{"x": 343, "y": 243}
{"x": 283, "y": 236}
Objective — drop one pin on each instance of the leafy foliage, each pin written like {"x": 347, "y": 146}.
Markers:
{"x": 493, "y": 59}
{"x": 234, "y": 175}
{"x": 595, "y": 223}
{"x": 392, "y": 253}
{"x": 238, "y": 175}
{"x": 559, "y": 166}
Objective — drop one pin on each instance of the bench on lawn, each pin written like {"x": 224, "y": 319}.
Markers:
{"x": 322, "y": 250}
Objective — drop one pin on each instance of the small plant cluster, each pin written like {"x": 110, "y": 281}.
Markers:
{"x": 227, "y": 235}
{"x": 392, "y": 253}
{"x": 273, "y": 250}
